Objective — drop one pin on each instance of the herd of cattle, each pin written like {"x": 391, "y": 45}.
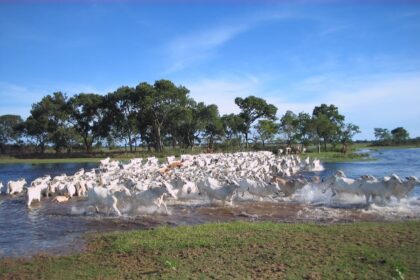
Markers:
{"x": 119, "y": 187}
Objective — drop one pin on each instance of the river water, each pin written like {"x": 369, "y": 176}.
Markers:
{"x": 59, "y": 228}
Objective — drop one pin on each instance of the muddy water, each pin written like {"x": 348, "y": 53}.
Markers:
{"x": 59, "y": 228}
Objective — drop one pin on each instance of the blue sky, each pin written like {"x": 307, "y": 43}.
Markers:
{"x": 364, "y": 58}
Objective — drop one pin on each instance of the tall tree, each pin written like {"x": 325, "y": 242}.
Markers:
{"x": 266, "y": 129}
{"x": 327, "y": 122}
{"x": 346, "y": 135}
{"x": 252, "y": 109}
{"x": 158, "y": 102}
{"x": 87, "y": 116}
{"x": 289, "y": 126}
{"x": 213, "y": 126}
{"x": 232, "y": 126}
{"x": 400, "y": 135}
{"x": 383, "y": 135}
{"x": 8, "y": 130}
{"x": 123, "y": 114}
{"x": 304, "y": 128}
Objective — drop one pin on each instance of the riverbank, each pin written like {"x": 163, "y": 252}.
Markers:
{"x": 238, "y": 250}
{"x": 339, "y": 157}
{"x": 323, "y": 156}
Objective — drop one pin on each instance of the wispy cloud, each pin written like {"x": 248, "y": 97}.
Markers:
{"x": 188, "y": 49}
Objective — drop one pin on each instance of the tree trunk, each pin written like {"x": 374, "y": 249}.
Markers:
{"x": 158, "y": 139}
{"x": 246, "y": 140}
{"x": 87, "y": 144}
{"x": 173, "y": 142}
{"x": 130, "y": 143}
{"x": 319, "y": 147}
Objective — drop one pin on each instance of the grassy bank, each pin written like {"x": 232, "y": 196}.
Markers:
{"x": 324, "y": 156}
{"x": 11, "y": 160}
{"x": 339, "y": 157}
{"x": 238, "y": 250}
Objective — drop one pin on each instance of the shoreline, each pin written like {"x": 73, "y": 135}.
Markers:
{"x": 329, "y": 157}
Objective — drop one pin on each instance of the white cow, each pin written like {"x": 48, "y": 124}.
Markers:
{"x": 101, "y": 197}
{"x": 258, "y": 188}
{"x": 33, "y": 193}
{"x": 215, "y": 191}
{"x": 15, "y": 187}
{"x": 154, "y": 196}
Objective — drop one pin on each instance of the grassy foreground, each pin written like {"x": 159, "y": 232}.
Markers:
{"x": 239, "y": 250}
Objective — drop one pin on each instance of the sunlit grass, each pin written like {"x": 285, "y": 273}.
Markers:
{"x": 239, "y": 250}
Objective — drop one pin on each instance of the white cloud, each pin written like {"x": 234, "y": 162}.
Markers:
{"x": 371, "y": 101}
{"x": 223, "y": 91}
{"x": 386, "y": 101}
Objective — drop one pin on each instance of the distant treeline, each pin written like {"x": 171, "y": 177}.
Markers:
{"x": 164, "y": 115}
{"x": 397, "y": 136}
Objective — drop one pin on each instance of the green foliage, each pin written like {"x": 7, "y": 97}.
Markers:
{"x": 157, "y": 103}
{"x": 87, "y": 115}
{"x": 9, "y": 131}
{"x": 266, "y": 129}
{"x": 289, "y": 126}
{"x": 327, "y": 122}
{"x": 399, "y": 135}
{"x": 252, "y": 109}
{"x": 162, "y": 115}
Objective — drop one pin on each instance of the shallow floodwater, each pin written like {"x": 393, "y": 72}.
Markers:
{"x": 58, "y": 228}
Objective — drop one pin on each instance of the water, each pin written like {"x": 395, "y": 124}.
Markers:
{"x": 58, "y": 228}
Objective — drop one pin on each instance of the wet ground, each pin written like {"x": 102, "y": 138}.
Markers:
{"x": 58, "y": 228}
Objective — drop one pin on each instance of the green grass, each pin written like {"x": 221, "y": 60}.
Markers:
{"x": 339, "y": 157}
{"x": 238, "y": 250}
{"x": 11, "y": 160}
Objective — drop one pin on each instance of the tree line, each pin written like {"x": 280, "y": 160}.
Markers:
{"x": 162, "y": 115}
{"x": 396, "y": 136}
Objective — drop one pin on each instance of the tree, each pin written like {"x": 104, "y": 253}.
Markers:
{"x": 304, "y": 128}
{"x": 327, "y": 122}
{"x": 252, "y": 109}
{"x": 48, "y": 122}
{"x": 382, "y": 135}
{"x": 158, "y": 102}
{"x": 232, "y": 127}
{"x": 184, "y": 123}
{"x": 213, "y": 126}
{"x": 267, "y": 129}
{"x": 289, "y": 126}
{"x": 87, "y": 115}
{"x": 123, "y": 114}
{"x": 400, "y": 135}
{"x": 346, "y": 135}
{"x": 8, "y": 130}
